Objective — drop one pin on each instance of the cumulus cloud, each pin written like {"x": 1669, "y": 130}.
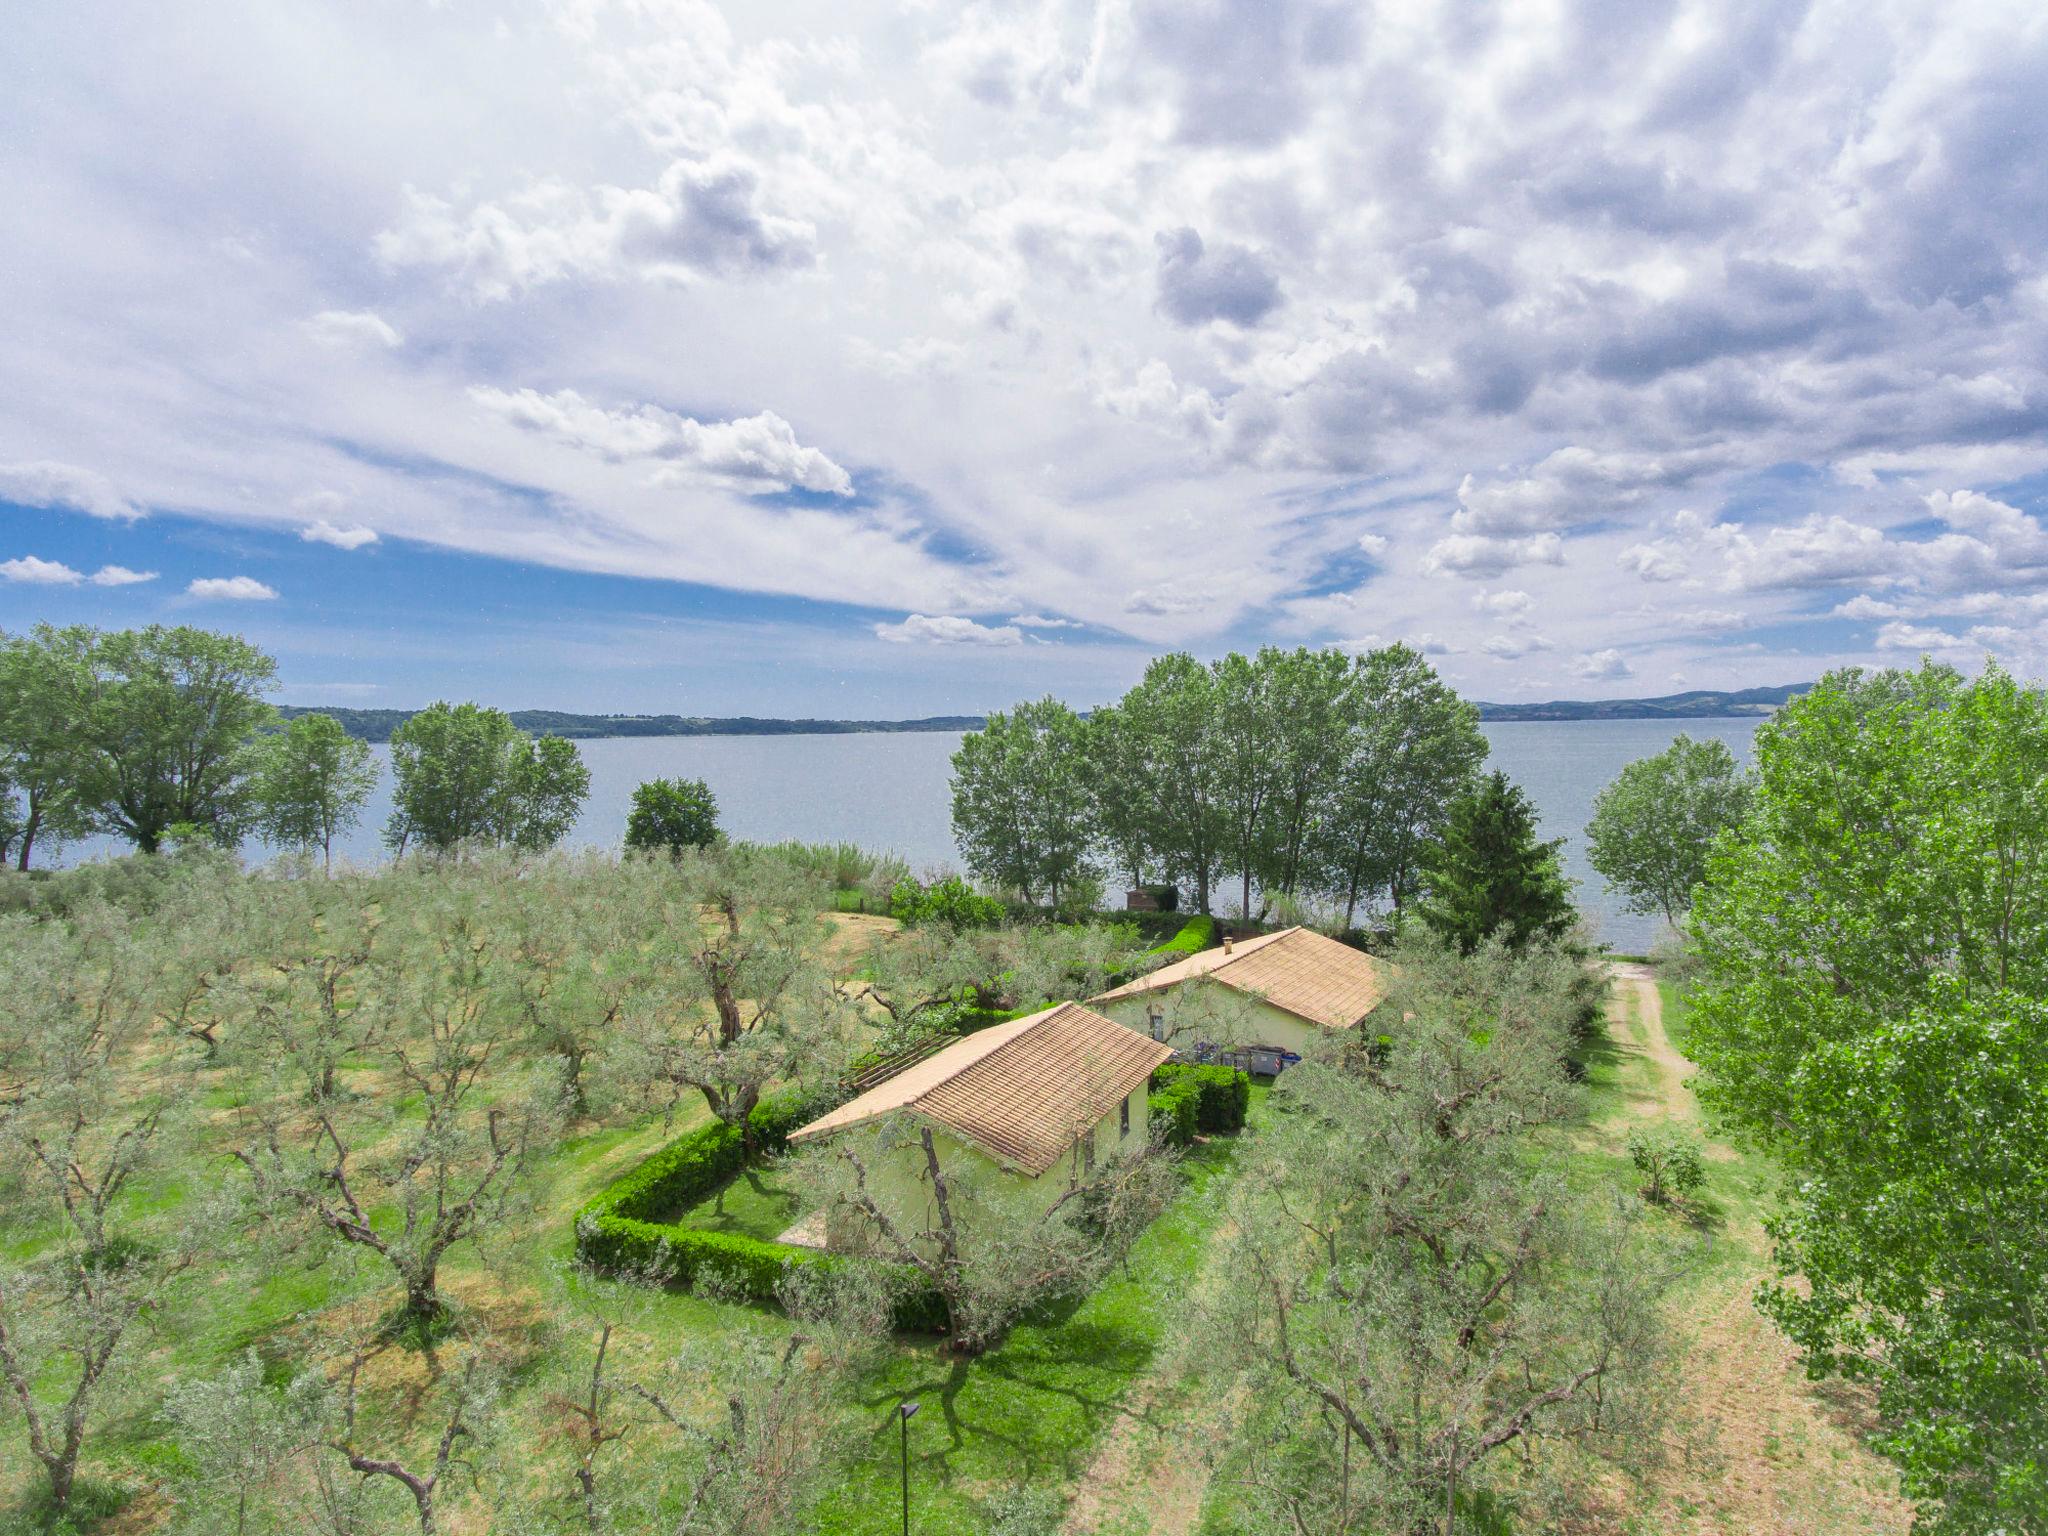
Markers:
{"x": 698, "y": 220}
{"x": 1515, "y": 647}
{"x": 35, "y": 571}
{"x": 1481, "y": 557}
{"x": 755, "y": 452}
{"x": 230, "y": 589}
{"x": 948, "y": 629}
{"x": 353, "y": 327}
{"x": 1898, "y": 636}
{"x": 47, "y": 483}
{"x": 1374, "y": 544}
{"x": 1602, "y": 664}
{"x": 1510, "y": 605}
{"x": 120, "y": 576}
{"x": 321, "y": 531}
{"x": 1197, "y": 284}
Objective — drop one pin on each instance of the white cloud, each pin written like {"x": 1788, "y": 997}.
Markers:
{"x": 231, "y": 589}
{"x": 321, "y": 531}
{"x": 923, "y": 629}
{"x": 1601, "y": 665}
{"x": 1512, "y": 605}
{"x": 1915, "y": 637}
{"x": 1515, "y": 647}
{"x": 1433, "y": 645}
{"x": 1481, "y": 557}
{"x": 47, "y": 483}
{"x": 1041, "y": 621}
{"x": 1659, "y": 561}
{"x": 39, "y": 572}
{"x": 353, "y": 327}
{"x": 756, "y": 452}
{"x": 120, "y": 576}
{"x": 1374, "y": 544}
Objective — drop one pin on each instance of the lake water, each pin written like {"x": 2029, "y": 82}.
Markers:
{"x": 890, "y": 792}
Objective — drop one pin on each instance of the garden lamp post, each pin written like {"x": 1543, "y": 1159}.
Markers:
{"x": 903, "y": 1413}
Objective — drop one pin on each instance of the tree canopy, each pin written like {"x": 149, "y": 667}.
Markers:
{"x": 1490, "y": 875}
{"x": 1651, "y": 828}
{"x": 1873, "y": 943}
{"x": 312, "y": 781}
{"x": 1021, "y": 801}
{"x": 467, "y": 774}
{"x": 673, "y": 814}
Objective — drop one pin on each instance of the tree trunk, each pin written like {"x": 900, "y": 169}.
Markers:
{"x": 422, "y": 1300}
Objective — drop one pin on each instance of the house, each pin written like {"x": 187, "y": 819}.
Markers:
{"x": 1022, "y": 1111}
{"x": 1256, "y": 1004}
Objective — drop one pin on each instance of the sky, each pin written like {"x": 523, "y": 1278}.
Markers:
{"x": 884, "y": 360}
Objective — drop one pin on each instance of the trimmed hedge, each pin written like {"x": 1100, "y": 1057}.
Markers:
{"x": 617, "y": 1229}
{"x": 1176, "y": 1113}
{"x": 1196, "y": 934}
{"x": 1222, "y": 1094}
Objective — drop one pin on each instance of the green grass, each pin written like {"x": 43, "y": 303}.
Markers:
{"x": 761, "y": 1201}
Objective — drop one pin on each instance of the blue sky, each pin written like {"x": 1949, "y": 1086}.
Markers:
{"x": 871, "y": 360}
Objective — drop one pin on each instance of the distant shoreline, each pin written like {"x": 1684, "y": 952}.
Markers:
{"x": 376, "y": 725}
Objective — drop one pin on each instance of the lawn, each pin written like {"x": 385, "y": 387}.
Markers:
{"x": 761, "y": 1201}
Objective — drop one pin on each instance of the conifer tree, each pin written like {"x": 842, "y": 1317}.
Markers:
{"x": 1489, "y": 872}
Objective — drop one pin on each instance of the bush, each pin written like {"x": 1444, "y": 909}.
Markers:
{"x": 1196, "y": 934}
{"x": 951, "y": 902}
{"x": 618, "y": 1229}
{"x": 1176, "y": 1113}
{"x": 1670, "y": 1159}
{"x": 1222, "y": 1094}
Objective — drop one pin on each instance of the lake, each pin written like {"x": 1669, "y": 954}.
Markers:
{"x": 890, "y": 792}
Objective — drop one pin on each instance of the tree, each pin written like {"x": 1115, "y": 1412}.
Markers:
{"x": 466, "y": 774}
{"x": 1651, "y": 828}
{"x": 1246, "y": 733}
{"x": 1117, "y": 808}
{"x": 1669, "y": 1158}
{"x": 168, "y": 727}
{"x": 471, "y": 1400}
{"x": 1314, "y": 697}
{"x": 673, "y": 814}
{"x": 245, "y": 1441}
{"x": 90, "y": 1110}
{"x": 1873, "y": 948}
{"x": 46, "y": 683}
{"x": 410, "y": 1175}
{"x": 1172, "y": 757}
{"x": 1489, "y": 874}
{"x": 1415, "y": 749}
{"x": 1021, "y": 800}
{"x": 312, "y": 781}
{"x": 739, "y": 997}
{"x": 1411, "y": 1294}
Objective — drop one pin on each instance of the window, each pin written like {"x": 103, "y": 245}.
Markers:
{"x": 1156, "y": 1017}
{"x": 1123, "y": 1118}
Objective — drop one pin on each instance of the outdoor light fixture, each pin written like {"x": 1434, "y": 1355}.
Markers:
{"x": 903, "y": 1413}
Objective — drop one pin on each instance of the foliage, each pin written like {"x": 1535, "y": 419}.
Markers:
{"x": 1651, "y": 828}
{"x": 1489, "y": 874}
{"x": 46, "y": 684}
{"x": 1196, "y": 934}
{"x": 947, "y": 903}
{"x": 1158, "y": 755}
{"x": 466, "y": 774}
{"x": 1413, "y": 1298}
{"x": 1670, "y": 1159}
{"x": 167, "y": 730}
{"x": 312, "y": 780}
{"x": 1020, "y": 801}
{"x": 1222, "y": 1094}
{"x": 843, "y": 867}
{"x": 1873, "y": 947}
{"x": 672, "y": 814}
{"x": 1176, "y": 1113}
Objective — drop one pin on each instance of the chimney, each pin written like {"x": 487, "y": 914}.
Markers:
{"x": 1226, "y": 943}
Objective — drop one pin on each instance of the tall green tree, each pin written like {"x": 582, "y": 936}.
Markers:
{"x": 1314, "y": 698}
{"x": 1174, "y": 757}
{"x": 1247, "y": 734}
{"x": 46, "y": 685}
{"x": 672, "y": 814}
{"x": 1021, "y": 800}
{"x": 1116, "y": 767}
{"x": 312, "y": 781}
{"x": 1489, "y": 875}
{"x": 467, "y": 774}
{"x": 1874, "y": 953}
{"x": 1651, "y": 828}
{"x": 168, "y": 732}
{"x": 1414, "y": 749}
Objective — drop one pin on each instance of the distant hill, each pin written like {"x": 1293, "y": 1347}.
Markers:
{"x": 1699, "y": 704}
{"x": 378, "y": 724}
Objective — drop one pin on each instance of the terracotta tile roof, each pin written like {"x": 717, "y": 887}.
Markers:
{"x": 1020, "y": 1091}
{"x": 1297, "y": 970}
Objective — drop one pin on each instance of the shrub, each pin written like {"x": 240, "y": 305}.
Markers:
{"x": 1176, "y": 1113}
{"x": 618, "y": 1229}
{"x": 1670, "y": 1159}
{"x": 1196, "y": 934}
{"x": 1222, "y": 1094}
{"x": 951, "y": 902}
